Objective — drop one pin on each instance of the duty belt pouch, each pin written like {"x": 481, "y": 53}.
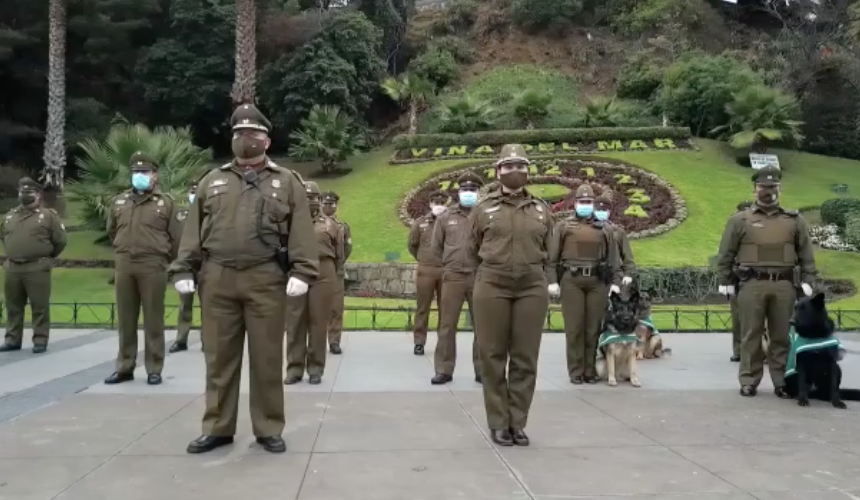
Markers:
{"x": 282, "y": 256}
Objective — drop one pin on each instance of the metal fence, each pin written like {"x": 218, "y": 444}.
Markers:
{"x": 382, "y": 318}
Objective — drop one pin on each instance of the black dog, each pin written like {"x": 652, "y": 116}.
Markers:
{"x": 813, "y": 367}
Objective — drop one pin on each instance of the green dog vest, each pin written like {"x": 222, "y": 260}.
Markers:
{"x": 609, "y": 337}
{"x": 803, "y": 344}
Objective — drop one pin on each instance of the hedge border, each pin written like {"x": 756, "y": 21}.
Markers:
{"x": 680, "y": 205}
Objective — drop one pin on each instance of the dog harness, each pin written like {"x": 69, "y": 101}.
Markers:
{"x": 802, "y": 344}
{"x": 609, "y": 337}
{"x": 646, "y": 321}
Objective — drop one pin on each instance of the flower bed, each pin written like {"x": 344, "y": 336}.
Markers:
{"x": 827, "y": 236}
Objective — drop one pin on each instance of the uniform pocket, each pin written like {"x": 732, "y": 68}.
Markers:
{"x": 277, "y": 211}
{"x": 156, "y": 219}
{"x": 214, "y": 197}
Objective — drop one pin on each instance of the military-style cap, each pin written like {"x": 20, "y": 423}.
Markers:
{"x": 27, "y": 184}
{"x": 603, "y": 201}
{"x": 439, "y": 196}
{"x": 767, "y": 176}
{"x": 584, "y": 192}
{"x": 470, "y": 179}
{"x": 247, "y": 116}
{"x": 193, "y": 184}
{"x": 142, "y": 161}
{"x": 330, "y": 197}
{"x": 744, "y": 205}
{"x": 512, "y": 153}
{"x": 312, "y": 187}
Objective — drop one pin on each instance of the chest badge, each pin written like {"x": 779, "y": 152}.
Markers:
{"x": 276, "y": 183}
{"x": 491, "y": 210}
{"x": 452, "y": 223}
{"x": 160, "y": 203}
{"x": 181, "y": 216}
{"x": 757, "y": 224}
{"x": 539, "y": 208}
{"x": 120, "y": 202}
{"x": 218, "y": 182}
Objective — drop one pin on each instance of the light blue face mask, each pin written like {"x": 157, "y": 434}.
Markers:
{"x": 190, "y": 198}
{"x": 140, "y": 181}
{"x": 468, "y": 198}
{"x": 584, "y": 210}
{"x": 601, "y": 214}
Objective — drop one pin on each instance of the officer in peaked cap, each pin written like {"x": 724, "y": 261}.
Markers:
{"x": 450, "y": 244}
{"x": 142, "y": 162}
{"x": 510, "y": 295}
{"x": 186, "y": 300}
{"x": 258, "y": 245}
{"x": 733, "y": 304}
{"x": 760, "y": 248}
{"x": 32, "y": 236}
{"x": 330, "y": 201}
{"x": 307, "y": 316}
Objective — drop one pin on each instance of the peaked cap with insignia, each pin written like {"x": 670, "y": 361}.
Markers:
{"x": 767, "y": 176}
{"x": 26, "y": 184}
{"x": 248, "y": 117}
{"x": 312, "y": 187}
{"x": 439, "y": 196}
{"x": 470, "y": 179}
{"x": 142, "y": 162}
{"x": 330, "y": 197}
{"x": 603, "y": 201}
{"x": 584, "y": 192}
{"x": 512, "y": 153}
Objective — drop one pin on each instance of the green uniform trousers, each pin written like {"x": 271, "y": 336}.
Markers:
{"x": 509, "y": 313}
{"x": 335, "y": 324}
{"x": 236, "y": 301}
{"x": 773, "y": 302}
{"x": 186, "y": 317}
{"x": 28, "y": 282}
{"x": 428, "y": 284}
{"x": 583, "y": 307}
{"x": 736, "y": 325}
{"x": 306, "y": 323}
{"x": 456, "y": 289}
{"x": 137, "y": 287}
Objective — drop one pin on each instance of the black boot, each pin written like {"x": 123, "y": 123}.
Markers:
{"x": 205, "y": 443}
{"x": 7, "y": 347}
{"x": 418, "y": 350}
{"x": 441, "y": 378}
{"x": 118, "y": 378}
{"x": 501, "y": 437}
{"x": 179, "y": 346}
{"x": 335, "y": 349}
{"x": 273, "y": 444}
{"x": 40, "y": 348}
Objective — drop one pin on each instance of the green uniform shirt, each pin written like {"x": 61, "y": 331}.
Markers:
{"x": 144, "y": 225}
{"x": 803, "y": 344}
{"x": 30, "y": 234}
{"x": 609, "y": 337}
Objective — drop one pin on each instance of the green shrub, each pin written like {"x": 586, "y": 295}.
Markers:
{"x": 495, "y": 138}
{"x": 646, "y": 15}
{"x": 465, "y": 115}
{"x": 462, "y": 13}
{"x": 437, "y": 66}
{"x": 696, "y": 90}
{"x": 640, "y": 77}
{"x": 603, "y": 112}
{"x": 459, "y": 48}
{"x": 836, "y": 210}
{"x": 542, "y": 14}
{"x": 852, "y": 230}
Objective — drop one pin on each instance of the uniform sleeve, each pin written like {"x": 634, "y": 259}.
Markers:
{"x": 339, "y": 248}
{"x": 553, "y": 252}
{"x": 628, "y": 265}
{"x": 729, "y": 246}
{"x": 805, "y": 253}
{"x": 613, "y": 255}
{"x": 548, "y": 238}
{"x": 414, "y": 239}
{"x": 476, "y": 235}
{"x": 111, "y": 221}
{"x": 174, "y": 231}
{"x": 437, "y": 240}
{"x": 302, "y": 245}
{"x": 189, "y": 257}
{"x": 58, "y": 235}
{"x": 347, "y": 241}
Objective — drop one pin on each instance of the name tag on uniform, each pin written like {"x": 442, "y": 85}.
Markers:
{"x": 757, "y": 224}
{"x": 424, "y": 225}
{"x": 276, "y": 183}
{"x": 539, "y": 208}
{"x": 120, "y": 202}
{"x": 160, "y": 203}
{"x": 491, "y": 210}
{"x": 452, "y": 223}
{"x": 218, "y": 182}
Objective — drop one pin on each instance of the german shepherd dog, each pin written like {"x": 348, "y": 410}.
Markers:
{"x": 618, "y": 359}
{"x": 650, "y": 342}
{"x": 817, "y": 373}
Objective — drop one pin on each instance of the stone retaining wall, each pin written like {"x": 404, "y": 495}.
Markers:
{"x": 381, "y": 280}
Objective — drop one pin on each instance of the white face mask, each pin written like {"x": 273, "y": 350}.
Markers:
{"x": 436, "y": 210}
{"x": 191, "y": 198}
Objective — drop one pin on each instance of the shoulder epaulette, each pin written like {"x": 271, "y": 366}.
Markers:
{"x": 226, "y": 166}
{"x": 53, "y": 211}
{"x": 793, "y": 213}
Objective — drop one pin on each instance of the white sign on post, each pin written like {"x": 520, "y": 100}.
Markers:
{"x": 759, "y": 161}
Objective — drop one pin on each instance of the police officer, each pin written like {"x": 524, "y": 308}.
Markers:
{"x": 510, "y": 233}
{"x": 584, "y": 253}
{"x": 143, "y": 226}
{"x": 330, "y": 200}
{"x": 602, "y": 212}
{"x": 733, "y": 303}
{"x": 428, "y": 282}
{"x": 766, "y": 242}
{"x": 32, "y": 235}
{"x": 186, "y": 300}
{"x": 308, "y": 315}
{"x": 450, "y": 245}
{"x": 248, "y": 238}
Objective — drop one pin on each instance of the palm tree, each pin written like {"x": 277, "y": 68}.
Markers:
{"x": 245, "y": 81}
{"x": 758, "y": 116}
{"x": 464, "y": 115}
{"x": 411, "y": 90}
{"x": 601, "y": 112}
{"x": 328, "y": 134}
{"x": 55, "y": 131}
{"x": 532, "y": 106}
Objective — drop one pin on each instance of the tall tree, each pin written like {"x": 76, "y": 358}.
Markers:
{"x": 245, "y": 83}
{"x": 55, "y": 144}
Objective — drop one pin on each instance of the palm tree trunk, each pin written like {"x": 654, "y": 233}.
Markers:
{"x": 55, "y": 130}
{"x": 245, "y": 83}
{"x": 413, "y": 117}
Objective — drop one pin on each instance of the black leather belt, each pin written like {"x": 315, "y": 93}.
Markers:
{"x": 780, "y": 276}
{"x": 582, "y": 270}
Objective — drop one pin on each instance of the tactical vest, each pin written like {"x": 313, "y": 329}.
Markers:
{"x": 768, "y": 241}
{"x": 583, "y": 243}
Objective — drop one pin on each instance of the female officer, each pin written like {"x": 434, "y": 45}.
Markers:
{"x": 510, "y": 231}
{"x": 585, "y": 254}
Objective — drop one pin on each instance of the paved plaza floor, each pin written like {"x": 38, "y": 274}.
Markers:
{"x": 375, "y": 429}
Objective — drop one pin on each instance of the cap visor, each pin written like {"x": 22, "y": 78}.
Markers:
{"x": 250, "y": 126}
{"x": 505, "y": 161}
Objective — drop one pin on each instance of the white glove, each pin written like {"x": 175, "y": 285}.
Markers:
{"x": 807, "y": 289}
{"x": 296, "y": 287}
{"x": 184, "y": 286}
{"x": 626, "y": 280}
{"x": 727, "y": 290}
{"x": 554, "y": 290}
{"x": 614, "y": 289}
